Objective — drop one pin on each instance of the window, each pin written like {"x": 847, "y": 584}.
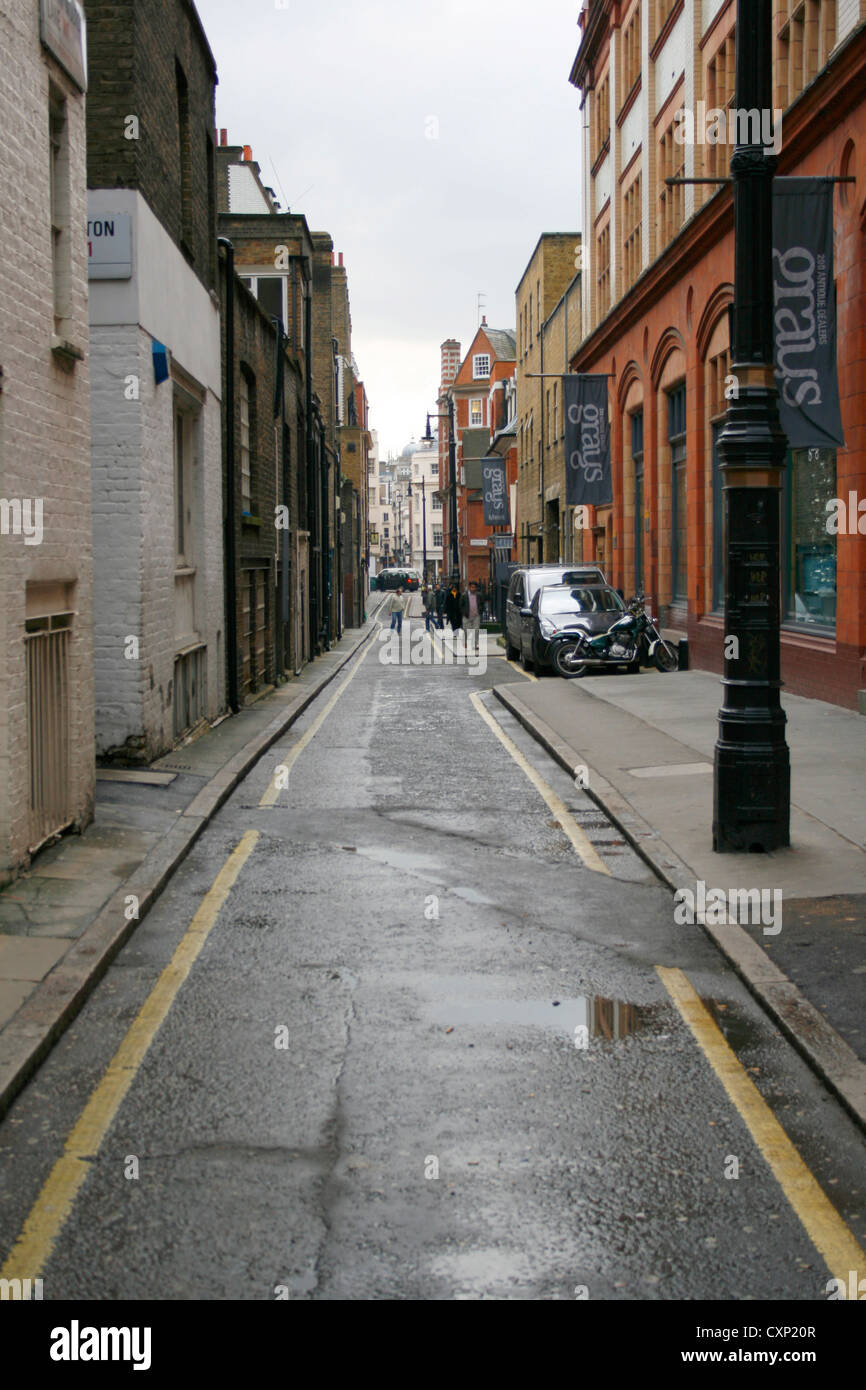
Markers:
{"x": 476, "y": 412}
{"x": 434, "y": 469}
{"x": 663, "y": 10}
{"x": 631, "y": 246}
{"x": 272, "y": 293}
{"x": 600, "y": 121}
{"x": 677, "y": 443}
{"x": 436, "y": 499}
{"x": 59, "y": 194}
{"x": 631, "y": 53}
{"x": 555, "y": 409}
{"x": 480, "y": 365}
{"x": 718, "y": 368}
{"x": 671, "y": 164}
{"x": 720, "y": 96}
{"x": 437, "y": 535}
{"x": 246, "y": 403}
{"x": 636, "y": 422}
{"x": 806, "y": 39}
{"x": 602, "y": 277}
{"x": 184, "y": 489}
{"x": 808, "y": 549}
{"x": 184, "y": 159}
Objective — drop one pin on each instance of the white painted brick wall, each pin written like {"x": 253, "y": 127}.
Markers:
{"x": 134, "y": 485}
{"x": 44, "y": 413}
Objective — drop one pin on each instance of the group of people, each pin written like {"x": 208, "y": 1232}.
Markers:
{"x": 461, "y": 608}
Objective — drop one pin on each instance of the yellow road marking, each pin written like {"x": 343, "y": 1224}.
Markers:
{"x": 52, "y": 1207}
{"x": 823, "y": 1224}
{"x": 273, "y": 790}
{"x": 578, "y": 838}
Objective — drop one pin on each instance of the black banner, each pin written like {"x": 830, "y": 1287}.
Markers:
{"x": 494, "y": 492}
{"x": 587, "y": 440}
{"x": 804, "y": 310}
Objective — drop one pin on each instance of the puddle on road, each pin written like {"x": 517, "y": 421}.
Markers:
{"x": 599, "y": 1016}
{"x": 739, "y": 1032}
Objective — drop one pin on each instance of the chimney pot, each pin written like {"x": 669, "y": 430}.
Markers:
{"x": 248, "y": 154}
{"x": 224, "y": 137}
{"x": 341, "y": 258}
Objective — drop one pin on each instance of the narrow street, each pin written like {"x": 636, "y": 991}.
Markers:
{"x": 433, "y": 1045}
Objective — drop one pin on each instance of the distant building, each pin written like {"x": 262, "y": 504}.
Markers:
{"x": 46, "y": 551}
{"x": 279, "y": 586}
{"x": 465, "y": 398}
{"x": 548, "y": 332}
{"x": 425, "y": 511}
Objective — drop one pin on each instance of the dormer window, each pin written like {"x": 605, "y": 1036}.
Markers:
{"x": 480, "y": 366}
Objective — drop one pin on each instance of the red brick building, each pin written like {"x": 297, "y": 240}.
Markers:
{"x": 473, "y": 391}
{"x": 657, "y": 283}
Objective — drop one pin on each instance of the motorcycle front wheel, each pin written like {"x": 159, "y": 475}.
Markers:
{"x": 565, "y": 660}
{"x": 666, "y": 657}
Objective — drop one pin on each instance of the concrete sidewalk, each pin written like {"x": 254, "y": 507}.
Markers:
{"x": 63, "y": 921}
{"x": 647, "y": 745}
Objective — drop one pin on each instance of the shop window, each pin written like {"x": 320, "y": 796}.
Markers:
{"x": 808, "y": 549}
{"x": 677, "y": 444}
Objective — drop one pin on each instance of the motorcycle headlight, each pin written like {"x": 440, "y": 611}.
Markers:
{"x": 546, "y": 628}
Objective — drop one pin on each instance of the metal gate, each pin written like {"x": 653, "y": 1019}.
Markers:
{"x": 47, "y": 646}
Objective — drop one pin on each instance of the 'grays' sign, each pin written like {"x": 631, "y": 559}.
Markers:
{"x": 587, "y": 440}
{"x": 493, "y": 491}
{"x": 804, "y": 313}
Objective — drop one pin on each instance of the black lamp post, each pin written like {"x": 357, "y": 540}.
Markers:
{"x": 751, "y": 803}
{"x": 452, "y": 485}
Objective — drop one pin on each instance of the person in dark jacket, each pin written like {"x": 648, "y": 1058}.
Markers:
{"x": 452, "y": 606}
{"x": 440, "y": 603}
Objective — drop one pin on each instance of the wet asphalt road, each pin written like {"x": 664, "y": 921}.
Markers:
{"x": 371, "y": 1084}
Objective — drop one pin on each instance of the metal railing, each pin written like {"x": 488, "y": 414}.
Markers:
{"x": 47, "y": 642}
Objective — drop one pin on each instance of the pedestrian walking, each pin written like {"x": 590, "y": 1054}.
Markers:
{"x": 452, "y": 606}
{"x": 428, "y": 599}
{"x": 470, "y": 609}
{"x": 440, "y": 604}
{"x": 396, "y": 607}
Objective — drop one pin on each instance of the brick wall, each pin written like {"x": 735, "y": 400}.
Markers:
{"x": 44, "y": 415}
{"x": 150, "y": 59}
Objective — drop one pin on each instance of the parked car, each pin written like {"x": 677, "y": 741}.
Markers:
{"x": 558, "y": 610}
{"x": 408, "y": 579}
{"x": 522, "y": 588}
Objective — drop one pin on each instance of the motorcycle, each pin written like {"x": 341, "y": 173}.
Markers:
{"x": 621, "y": 645}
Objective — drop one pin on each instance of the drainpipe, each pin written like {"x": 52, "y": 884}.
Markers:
{"x": 231, "y": 586}
{"x": 313, "y": 577}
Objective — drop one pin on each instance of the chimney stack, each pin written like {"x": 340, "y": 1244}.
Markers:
{"x": 450, "y": 361}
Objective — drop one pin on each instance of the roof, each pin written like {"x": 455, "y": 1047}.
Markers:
{"x": 503, "y": 342}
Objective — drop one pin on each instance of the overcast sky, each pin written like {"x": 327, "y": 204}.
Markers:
{"x": 435, "y": 142}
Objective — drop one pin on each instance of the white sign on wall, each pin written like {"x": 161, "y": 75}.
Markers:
{"x": 63, "y": 31}
{"x": 109, "y": 247}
